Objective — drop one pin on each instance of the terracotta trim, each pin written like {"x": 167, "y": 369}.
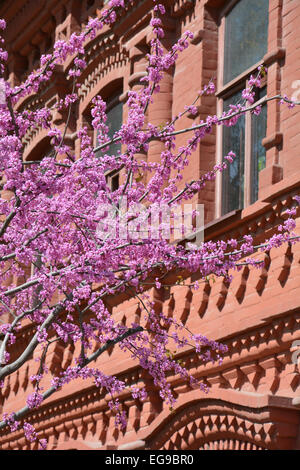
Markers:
{"x": 273, "y": 140}
{"x": 179, "y": 9}
{"x": 285, "y": 186}
{"x": 226, "y": 9}
{"x": 274, "y": 56}
{"x": 198, "y": 37}
{"x": 135, "y": 78}
{"x": 193, "y": 116}
{"x": 133, "y": 445}
{"x": 124, "y": 96}
{"x": 241, "y": 402}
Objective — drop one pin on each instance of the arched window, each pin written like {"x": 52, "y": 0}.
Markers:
{"x": 243, "y": 44}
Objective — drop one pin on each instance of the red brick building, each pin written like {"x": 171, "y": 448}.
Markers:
{"x": 255, "y": 394}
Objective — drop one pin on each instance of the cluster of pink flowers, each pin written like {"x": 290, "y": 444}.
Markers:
{"x": 34, "y": 400}
{"x": 10, "y": 420}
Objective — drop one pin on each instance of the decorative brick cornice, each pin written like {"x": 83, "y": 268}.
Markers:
{"x": 250, "y": 354}
{"x": 181, "y": 6}
{"x": 216, "y": 418}
{"x": 105, "y": 54}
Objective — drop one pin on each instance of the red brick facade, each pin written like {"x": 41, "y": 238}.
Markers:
{"x": 255, "y": 394}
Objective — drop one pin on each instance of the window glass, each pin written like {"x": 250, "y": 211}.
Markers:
{"x": 233, "y": 176}
{"x": 114, "y": 122}
{"x": 246, "y": 36}
{"x": 258, "y": 152}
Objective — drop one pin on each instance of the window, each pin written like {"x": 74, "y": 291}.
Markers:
{"x": 114, "y": 122}
{"x": 246, "y": 36}
{"x": 243, "y": 43}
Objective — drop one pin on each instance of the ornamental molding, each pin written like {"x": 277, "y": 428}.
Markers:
{"x": 180, "y": 7}
{"x": 259, "y": 220}
{"x": 84, "y": 415}
{"x": 103, "y": 57}
{"x": 206, "y": 421}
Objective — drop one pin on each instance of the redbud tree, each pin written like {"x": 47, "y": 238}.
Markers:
{"x": 68, "y": 242}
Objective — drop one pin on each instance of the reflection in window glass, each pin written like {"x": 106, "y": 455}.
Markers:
{"x": 258, "y": 152}
{"x": 246, "y": 36}
{"x": 233, "y": 176}
{"x": 114, "y": 123}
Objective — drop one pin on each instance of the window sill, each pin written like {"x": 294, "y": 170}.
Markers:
{"x": 216, "y": 227}
{"x": 237, "y": 80}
